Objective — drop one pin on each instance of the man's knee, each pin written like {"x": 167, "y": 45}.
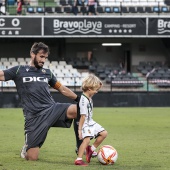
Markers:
{"x": 32, "y": 154}
{"x": 72, "y": 111}
{"x": 32, "y": 157}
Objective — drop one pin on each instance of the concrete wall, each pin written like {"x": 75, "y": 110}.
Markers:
{"x": 102, "y": 99}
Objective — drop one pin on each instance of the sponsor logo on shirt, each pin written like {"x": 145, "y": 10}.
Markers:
{"x": 34, "y": 79}
{"x": 43, "y": 71}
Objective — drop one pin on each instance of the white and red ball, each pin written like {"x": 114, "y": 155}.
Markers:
{"x": 107, "y": 155}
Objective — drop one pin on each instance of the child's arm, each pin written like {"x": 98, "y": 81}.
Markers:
{"x": 81, "y": 122}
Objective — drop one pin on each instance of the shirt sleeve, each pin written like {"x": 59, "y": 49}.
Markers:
{"x": 83, "y": 105}
{"x": 52, "y": 80}
{"x": 11, "y": 73}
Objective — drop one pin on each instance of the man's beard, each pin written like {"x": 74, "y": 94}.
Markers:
{"x": 36, "y": 64}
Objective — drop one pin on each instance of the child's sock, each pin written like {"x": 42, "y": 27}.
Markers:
{"x": 79, "y": 159}
{"x": 93, "y": 148}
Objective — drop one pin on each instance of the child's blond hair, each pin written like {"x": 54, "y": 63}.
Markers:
{"x": 91, "y": 82}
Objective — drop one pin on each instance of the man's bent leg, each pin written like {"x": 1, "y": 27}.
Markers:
{"x": 72, "y": 111}
{"x": 78, "y": 141}
{"x": 32, "y": 154}
{"x": 76, "y": 124}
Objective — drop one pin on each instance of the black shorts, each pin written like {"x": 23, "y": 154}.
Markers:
{"x": 36, "y": 128}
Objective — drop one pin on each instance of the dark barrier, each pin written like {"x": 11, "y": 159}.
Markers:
{"x": 71, "y": 26}
{"x": 103, "y": 99}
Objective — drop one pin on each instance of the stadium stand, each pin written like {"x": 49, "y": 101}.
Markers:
{"x": 157, "y": 74}
{"x": 68, "y": 75}
{"x": 103, "y": 7}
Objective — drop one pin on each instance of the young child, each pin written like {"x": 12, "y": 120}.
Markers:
{"x": 88, "y": 128}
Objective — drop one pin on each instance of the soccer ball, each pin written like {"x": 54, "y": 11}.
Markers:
{"x": 107, "y": 155}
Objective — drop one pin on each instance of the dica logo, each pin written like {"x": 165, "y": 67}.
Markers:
{"x": 34, "y": 79}
{"x": 163, "y": 26}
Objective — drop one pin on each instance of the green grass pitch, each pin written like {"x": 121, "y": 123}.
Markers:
{"x": 140, "y": 135}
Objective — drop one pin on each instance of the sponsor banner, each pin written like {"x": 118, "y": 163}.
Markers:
{"x": 20, "y": 26}
{"x": 159, "y": 26}
{"x": 74, "y": 26}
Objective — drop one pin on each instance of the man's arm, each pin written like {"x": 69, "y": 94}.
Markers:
{"x": 67, "y": 92}
{"x": 2, "y": 78}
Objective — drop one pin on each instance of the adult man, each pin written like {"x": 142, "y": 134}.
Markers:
{"x": 40, "y": 110}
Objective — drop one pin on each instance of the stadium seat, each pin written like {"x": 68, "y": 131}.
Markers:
{"x": 22, "y": 62}
{"x": 63, "y": 63}
{"x": 27, "y": 60}
{"x": 2, "y": 67}
{"x": 84, "y": 74}
{"x": 11, "y": 59}
{"x": 83, "y": 9}
{"x": 6, "y": 64}
{"x": 68, "y": 66}
{"x": 100, "y": 69}
{"x": 156, "y": 9}
{"x": 20, "y": 59}
{"x": 135, "y": 2}
{"x": 11, "y": 2}
{"x": 14, "y": 63}
{"x": 58, "y": 9}
{"x": 30, "y": 10}
{"x": 3, "y": 59}
{"x": 167, "y": 2}
{"x": 102, "y": 76}
{"x": 148, "y": 9}
{"x": 63, "y": 3}
{"x": 54, "y": 63}
{"x": 49, "y": 10}
{"x": 79, "y": 64}
{"x": 164, "y": 9}
{"x": 40, "y": 10}
{"x": 92, "y": 68}
{"x": 103, "y": 3}
{"x": 108, "y": 10}
{"x": 68, "y": 9}
{"x": 47, "y": 64}
{"x": 70, "y": 2}
{"x": 52, "y": 67}
{"x": 59, "y": 73}
{"x": 60, "y": 67}
{"x": 116, "y": 10}
{"x": 132, "y": 9}
{"x": 124, "y": 9}
{"x": 100, "y": 9}
{"x": 140, "y": 9}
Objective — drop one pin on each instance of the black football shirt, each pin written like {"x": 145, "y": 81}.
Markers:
{"x": 33, "y": 88}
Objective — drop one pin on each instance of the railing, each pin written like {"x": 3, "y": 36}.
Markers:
{"x": 74, "y": 83}
{"x": 119, "y": 7}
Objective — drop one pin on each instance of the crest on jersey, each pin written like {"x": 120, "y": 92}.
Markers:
{"x": 27, "y": 69}
{"x": 89, "y": 131}
{"x": 43, "y": 71}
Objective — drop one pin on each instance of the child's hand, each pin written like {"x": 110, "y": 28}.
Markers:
{"x": 80, "y": 134}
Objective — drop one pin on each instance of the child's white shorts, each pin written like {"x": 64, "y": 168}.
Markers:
{"x": 92, "y": 131}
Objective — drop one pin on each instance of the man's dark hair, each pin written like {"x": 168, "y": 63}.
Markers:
{"x": 39, "y": 46}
